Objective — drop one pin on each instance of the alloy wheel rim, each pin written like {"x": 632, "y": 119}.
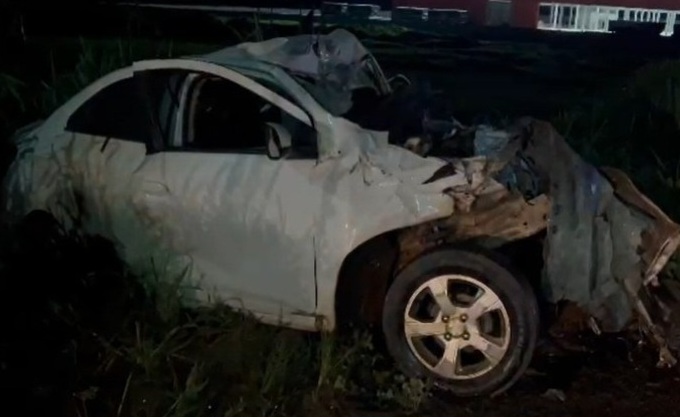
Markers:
{"x": 457, "y": 327}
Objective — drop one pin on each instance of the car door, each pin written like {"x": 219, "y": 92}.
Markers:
{"x": 247, "y": 222}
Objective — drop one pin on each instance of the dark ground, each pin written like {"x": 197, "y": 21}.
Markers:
{"x": 618, "y": 380}
{"x": 610, "y": 382}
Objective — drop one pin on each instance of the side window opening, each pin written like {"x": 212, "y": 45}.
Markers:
{"x": 117, "y": 111}
{"x": 224, "y": 116}
{"x": 303, "y": 136}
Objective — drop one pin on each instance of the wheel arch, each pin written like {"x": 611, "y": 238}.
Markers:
{"x": 363, "y": 279}
{"x": 367, "y": 272}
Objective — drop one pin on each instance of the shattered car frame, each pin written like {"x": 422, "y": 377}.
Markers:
{"x": 241, "y": 165}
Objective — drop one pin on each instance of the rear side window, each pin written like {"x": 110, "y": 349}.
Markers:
{"x": 117, "y": 111}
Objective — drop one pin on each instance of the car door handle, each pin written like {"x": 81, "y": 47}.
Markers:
{"x": 155, "y": 189}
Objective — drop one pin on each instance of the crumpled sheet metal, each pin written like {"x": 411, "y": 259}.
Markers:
{"x": 603, "y": 236}
{"x": 505, "y": 218}
{"x": 328, "y": 66}
{"x": 376, "y": 190}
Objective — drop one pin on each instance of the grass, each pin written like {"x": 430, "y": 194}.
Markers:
{"x": 84, "y": 336}
{"x": 632, "y": 126}
{"x": 99, "y": 344}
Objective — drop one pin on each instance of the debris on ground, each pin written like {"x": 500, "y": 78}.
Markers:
{"x": 555, "y": 394}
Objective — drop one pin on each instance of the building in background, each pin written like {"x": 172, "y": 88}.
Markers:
{"x": 566, "y": 15}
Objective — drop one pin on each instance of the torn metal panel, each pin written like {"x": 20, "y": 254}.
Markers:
{"x": 604, "y": 237}
{"x": 500, "y": 221}
{"x": 493, "y": 220}
{"x": 660, "y": 242}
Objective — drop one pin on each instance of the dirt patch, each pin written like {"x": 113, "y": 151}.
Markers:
{"x": 615, "y": 378}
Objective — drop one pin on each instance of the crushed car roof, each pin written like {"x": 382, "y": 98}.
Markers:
{"x": 328, "y": 66}
{"x": 303, "y": 54}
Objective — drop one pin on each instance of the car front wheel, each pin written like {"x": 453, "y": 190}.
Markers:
{"x": 462, "y": 319}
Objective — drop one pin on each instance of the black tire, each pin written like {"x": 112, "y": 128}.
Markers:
{"x": 512, "y": 289}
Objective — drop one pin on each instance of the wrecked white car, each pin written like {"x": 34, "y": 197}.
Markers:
{"x": 245, "y": 165}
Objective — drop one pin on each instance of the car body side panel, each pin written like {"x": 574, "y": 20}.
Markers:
{"x": 246, "y": 222}
{"x": 52, "y": 163}
{"x": 84, "y": 178}
{"x": 295, "y": 220}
